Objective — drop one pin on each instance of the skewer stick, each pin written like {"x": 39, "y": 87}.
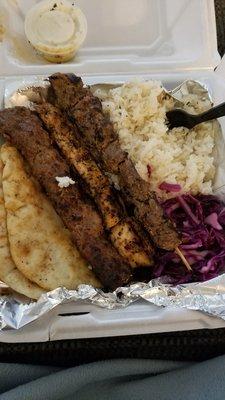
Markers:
{"x": 180, "y": 254}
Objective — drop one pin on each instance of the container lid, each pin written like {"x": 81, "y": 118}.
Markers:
{"x": 125, "y": 36}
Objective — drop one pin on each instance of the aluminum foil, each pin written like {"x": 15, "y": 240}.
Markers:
{"x": 209, "y": 297}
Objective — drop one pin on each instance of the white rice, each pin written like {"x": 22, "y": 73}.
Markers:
{"x": 138, "y": 111}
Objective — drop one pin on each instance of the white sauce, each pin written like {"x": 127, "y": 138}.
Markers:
{"x": 56, "y": 29}
{"x": 64, "y": 181}
{"x": 17, "y": 99}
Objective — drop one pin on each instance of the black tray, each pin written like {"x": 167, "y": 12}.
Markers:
{"x": 186, "y": 346}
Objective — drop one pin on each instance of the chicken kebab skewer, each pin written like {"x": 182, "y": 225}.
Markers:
{"x": 23, "y": 129}
{"x": 119, "y": 226}
{"x": 85, "y": 110}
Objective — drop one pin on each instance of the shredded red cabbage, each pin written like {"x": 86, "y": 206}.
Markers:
{"x": 212, "y": 220}
{"x": 201, "y": 222}
{"x": 170, "y": 187}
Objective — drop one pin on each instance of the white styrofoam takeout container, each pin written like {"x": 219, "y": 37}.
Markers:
{"x": 169, "y": 40}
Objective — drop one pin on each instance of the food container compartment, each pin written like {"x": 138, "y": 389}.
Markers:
{"x": 123, "y": 36}
{"x": 165, "y": 49}
{"x": 77, "y": 320}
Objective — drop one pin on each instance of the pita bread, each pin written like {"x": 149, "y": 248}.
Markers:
{"x": 40, "y": 246}
{"x": 8, "y": 271}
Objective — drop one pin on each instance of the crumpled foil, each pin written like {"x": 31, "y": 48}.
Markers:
{"x": 209, "y": 297}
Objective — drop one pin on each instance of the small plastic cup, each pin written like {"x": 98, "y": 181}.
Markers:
{"x": 56, "y": 29}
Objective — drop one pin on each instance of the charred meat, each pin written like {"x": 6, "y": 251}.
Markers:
{"x": 121, "y": 232}
{"x": 23, "y": 129}
{"x": 98, "y": 134}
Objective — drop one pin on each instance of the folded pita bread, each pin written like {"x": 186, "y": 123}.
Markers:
{"x": 40, "y": 246}
{"x": 8, "y": 271}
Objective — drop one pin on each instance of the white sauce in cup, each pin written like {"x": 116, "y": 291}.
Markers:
{"x": 56, "y": 29}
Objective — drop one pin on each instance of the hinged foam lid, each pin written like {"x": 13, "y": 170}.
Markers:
{"x": 158, "y": 34}
{"x": 131, "y": 36}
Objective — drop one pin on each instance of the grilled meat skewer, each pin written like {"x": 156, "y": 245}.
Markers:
{"x": 98, "y": 134}
{"x": 121, "y": 232}
{"x": 23, "y": 129}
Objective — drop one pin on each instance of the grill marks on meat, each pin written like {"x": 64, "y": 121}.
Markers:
{"x": 121, "y": 231}
{"x": 24, "y": 130}
{"x": 99, "y": 135}
{"x": 64, "y": 134}
{"x": 146, "y": 208}
{"x": 86, "y": 111}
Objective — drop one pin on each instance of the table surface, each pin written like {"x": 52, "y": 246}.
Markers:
{"x": 192, "y": 345}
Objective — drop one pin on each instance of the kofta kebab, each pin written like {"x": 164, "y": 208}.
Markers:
{"x": 68, "y": 135}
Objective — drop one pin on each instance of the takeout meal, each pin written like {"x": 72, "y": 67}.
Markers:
{"x": 56, "y": 29}
{"x": 96, "y": 188}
